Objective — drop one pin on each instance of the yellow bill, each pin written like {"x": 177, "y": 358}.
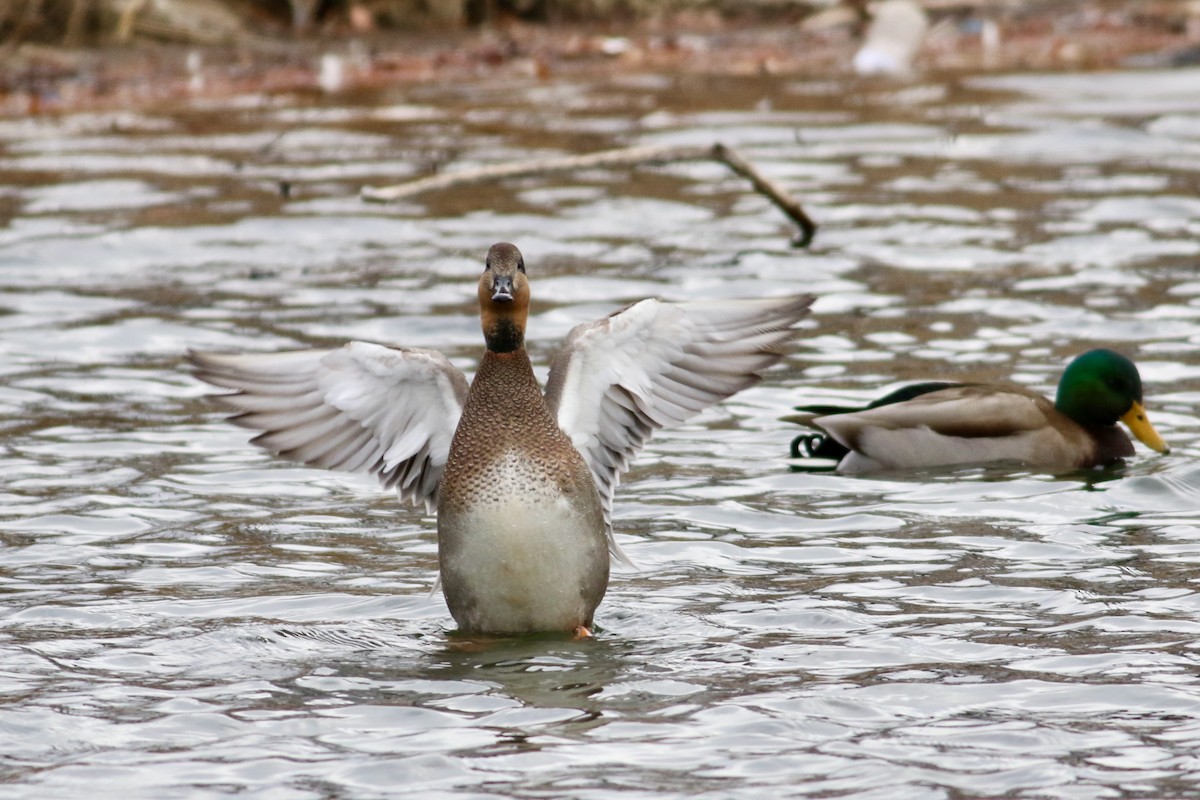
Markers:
{"x": 1139, "y": 426}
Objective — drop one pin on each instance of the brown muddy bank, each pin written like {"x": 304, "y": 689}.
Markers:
{"x": 61, "y": 59}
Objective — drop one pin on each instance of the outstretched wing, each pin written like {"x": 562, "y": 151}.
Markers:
{"x": 360, "y": 408}
{"x": 654, "y": 364}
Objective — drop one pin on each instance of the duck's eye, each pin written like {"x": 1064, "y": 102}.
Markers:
{"x": 487, "y": 265}
{"x": 521, "y": 266}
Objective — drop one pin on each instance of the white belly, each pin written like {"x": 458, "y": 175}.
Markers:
{"x": 518, "y": 560}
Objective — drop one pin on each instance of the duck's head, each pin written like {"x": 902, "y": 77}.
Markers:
{"x": 1100, "y": 387}
{"x": 504, "y": 298}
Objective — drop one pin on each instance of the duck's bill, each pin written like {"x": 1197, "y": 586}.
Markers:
{"x": 1139, "y": 426}
{"x": 502, "y": 289}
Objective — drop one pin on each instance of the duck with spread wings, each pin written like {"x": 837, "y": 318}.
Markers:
{"x": 522, "y": 481}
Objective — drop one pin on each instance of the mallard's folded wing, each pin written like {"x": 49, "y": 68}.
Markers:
{"x": 822, "y": 445}
{"x": 654, "y": 364}
{"x": 958, "y": 425}
{"x": 360, "y": 408}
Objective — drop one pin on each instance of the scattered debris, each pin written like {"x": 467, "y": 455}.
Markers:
{"x": 183, "y": 49}
{"x": 895, "y": 34}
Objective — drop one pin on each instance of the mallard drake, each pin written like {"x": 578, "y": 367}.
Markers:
{"x": 522, "y": 482}
{"x": 938, "y": 423}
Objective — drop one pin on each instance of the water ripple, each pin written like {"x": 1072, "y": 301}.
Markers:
{"x": 182, "y": 616}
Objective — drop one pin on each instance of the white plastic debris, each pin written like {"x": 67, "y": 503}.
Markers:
{"x": 893, "y": 38}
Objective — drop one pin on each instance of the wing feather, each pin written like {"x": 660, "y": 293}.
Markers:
{"x": 654, "y": 364}
{"x": 360, "y": 408}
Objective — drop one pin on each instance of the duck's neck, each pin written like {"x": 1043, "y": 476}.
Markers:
{"x": 505, "y": 396}
{"x": 505, "y": 378}
{"x": 1089, "y": 409}
{"x": 504, "y": 335}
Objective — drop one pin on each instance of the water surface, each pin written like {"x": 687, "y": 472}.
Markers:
{"x": 183, "y": 617}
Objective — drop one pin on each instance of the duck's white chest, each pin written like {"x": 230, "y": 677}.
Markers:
{"x": 522, "y": 554}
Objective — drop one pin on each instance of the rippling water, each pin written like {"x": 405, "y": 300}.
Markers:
{"x": 181, "y": 616}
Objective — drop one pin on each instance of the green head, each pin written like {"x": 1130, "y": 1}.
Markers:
{"x": 1101, "y": 387}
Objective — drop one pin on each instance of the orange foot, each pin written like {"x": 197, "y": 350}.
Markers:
{"x": 582, "y": 632}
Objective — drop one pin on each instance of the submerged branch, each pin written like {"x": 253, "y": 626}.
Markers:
{"x": 627, "y": 157}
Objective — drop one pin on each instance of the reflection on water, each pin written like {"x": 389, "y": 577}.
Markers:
{"x": 184, "y": 617}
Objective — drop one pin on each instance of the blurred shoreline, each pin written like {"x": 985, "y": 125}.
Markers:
{"x": 141, "y": 64}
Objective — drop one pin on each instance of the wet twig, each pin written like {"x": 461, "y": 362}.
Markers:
{"x": 128, "y": 19}
{"x": 627, "y": 157}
